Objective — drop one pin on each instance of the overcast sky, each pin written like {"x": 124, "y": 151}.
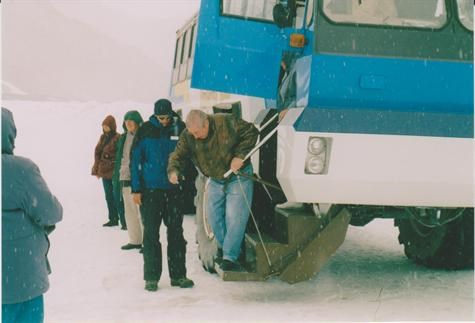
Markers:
{"x": 148, "y": 25}
{"x": 90, "y": 50}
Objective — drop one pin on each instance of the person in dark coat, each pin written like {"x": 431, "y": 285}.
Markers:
{"x": 104, "y": 160}
{"x": 29, "y": 213}
{"x": 121, "y": 180}
{"x": 158, "y": 199}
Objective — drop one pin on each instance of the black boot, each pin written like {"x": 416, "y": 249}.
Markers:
{"x": 110, "y": 223}
{"x": 130, "y": 246}
{"x": 228, "y": 265}
{"x": 182, "y": 282}
{"x": 151, "y": 285}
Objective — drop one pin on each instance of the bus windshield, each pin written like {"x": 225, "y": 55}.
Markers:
{"x": 253, "y": 9}
{"x": 410, "y": 13}
{"x": 465, "y": 12}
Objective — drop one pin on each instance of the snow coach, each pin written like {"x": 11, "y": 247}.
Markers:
{"x": 185, "y": 98}
{"x": 376, "y": 106}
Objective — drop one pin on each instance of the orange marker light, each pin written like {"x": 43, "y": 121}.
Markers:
{"x": 297, "y": 40}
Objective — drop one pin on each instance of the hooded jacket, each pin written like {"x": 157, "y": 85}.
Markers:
{"x": 104, "y": 153}
{"x": 29, "y": 213}
{"x": 133, "y": 115}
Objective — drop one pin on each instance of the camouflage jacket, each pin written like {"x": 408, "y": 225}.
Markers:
{"x": 228, "y": 137}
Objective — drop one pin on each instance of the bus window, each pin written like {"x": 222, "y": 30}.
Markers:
{"x": 175, "y": 64}
{"x": 465, "y": 13}
{"x": 176, "y": 55}
{"x": 183, "y": 56}
{"x": 191, "y": 51}
{"x": 308, "y": 19}
{"x": 178, "y": 58}
{"x": 186, "y": 47}
{"x": 192, "y": 40}
{"x": 253, "y": 9}
{"x": 410, "y": 13}
{"x": 299, "y": 13}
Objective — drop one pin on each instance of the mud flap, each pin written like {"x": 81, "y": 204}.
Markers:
{"x": 311, "y": 259}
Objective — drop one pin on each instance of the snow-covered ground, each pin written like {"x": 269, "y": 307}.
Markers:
{"x": 93, "y": 280}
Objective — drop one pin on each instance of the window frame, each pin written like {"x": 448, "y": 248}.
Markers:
{"x": 459, "y": 18}
{"x": 392, "y": 26}
{"x": 223, "y": 14}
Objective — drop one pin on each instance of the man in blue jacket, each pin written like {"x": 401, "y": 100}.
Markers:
{"x": 158, "y": 198}
{"x": 29, "y": 214}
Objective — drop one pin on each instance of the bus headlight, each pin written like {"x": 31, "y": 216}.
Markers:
{"x": 316, "y": 145}
{"x": 318, "y": 151}
{"x": 315, "y": 165}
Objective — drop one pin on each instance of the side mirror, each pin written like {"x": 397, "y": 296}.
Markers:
{"x": 281, "y": 16}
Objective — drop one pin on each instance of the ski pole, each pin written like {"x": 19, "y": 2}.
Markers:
{"x": 268, "y": 122}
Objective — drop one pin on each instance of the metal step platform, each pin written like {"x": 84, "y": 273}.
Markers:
{"x": 296, "y": 251}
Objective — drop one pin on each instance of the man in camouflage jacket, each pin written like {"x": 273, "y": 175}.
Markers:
{"x": 216, "y": 144}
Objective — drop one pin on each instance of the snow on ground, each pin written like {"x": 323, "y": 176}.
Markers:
{"x": 93, "y": 280}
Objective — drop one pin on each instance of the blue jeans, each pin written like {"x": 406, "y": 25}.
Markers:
{"x": 228, "y": 211}
{"x": 31, "y": 311}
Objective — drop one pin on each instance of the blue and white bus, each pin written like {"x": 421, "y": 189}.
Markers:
{"x": 379, "y": 106}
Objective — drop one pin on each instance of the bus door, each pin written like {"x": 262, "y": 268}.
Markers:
{"x": 240, "y": 47}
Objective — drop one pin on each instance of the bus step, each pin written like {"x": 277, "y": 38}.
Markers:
{"x": 243, "y": 275}
{"x": 294, "y": 226}
{"x": 257, "y": 259}
{"x": 307, "y": 260}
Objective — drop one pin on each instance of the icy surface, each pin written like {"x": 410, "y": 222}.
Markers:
{"x": 93, "y": 280}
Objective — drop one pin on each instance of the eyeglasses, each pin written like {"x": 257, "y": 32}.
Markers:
{"x": 163, "y": 117}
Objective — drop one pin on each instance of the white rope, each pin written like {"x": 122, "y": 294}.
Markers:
{"x": 256, "y": 148}
{"x": 268, "y": 122}
{"x": 254, "y": 220}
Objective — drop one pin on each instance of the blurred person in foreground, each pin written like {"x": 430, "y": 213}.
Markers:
{"x": 158, "y": 199}
{"x": 29, "y": 213}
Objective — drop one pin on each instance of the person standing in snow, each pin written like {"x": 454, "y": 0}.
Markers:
{"x": 104, "y": 159}
{"x": 29, "y": 213}
{"x": 158, "y": 199}
{"x": 122, "y": 183}
{"x": 215, "y": 144}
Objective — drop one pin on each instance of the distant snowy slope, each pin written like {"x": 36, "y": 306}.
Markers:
{"x": 52, "y": 57}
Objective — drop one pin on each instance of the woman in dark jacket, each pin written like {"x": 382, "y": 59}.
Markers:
{"x": 104, "y": 159}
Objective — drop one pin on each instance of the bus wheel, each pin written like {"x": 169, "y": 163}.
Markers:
{"x": 447, "y": 245}
{"x": 207, "y": 247}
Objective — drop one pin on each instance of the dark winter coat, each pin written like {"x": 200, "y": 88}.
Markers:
{"x": 29, "y": 213}
{"x": 228, "y": 137}
{"x": 104, "y": 153}
{"x": 152, "y": 147}
{"x": 134, "y": 116}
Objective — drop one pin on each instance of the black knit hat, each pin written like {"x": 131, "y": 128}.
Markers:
{"x": 163, "y": 107}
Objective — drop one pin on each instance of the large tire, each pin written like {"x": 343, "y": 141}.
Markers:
{"x": 448, "y": 246}
{"x": 207, "y": 247}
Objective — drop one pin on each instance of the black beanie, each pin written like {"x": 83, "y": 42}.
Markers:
{"x": 163, "y": 107}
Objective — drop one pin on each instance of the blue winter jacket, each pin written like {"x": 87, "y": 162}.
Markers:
{"x": 150, "y": 151}
{"x": 29, "y": 213}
